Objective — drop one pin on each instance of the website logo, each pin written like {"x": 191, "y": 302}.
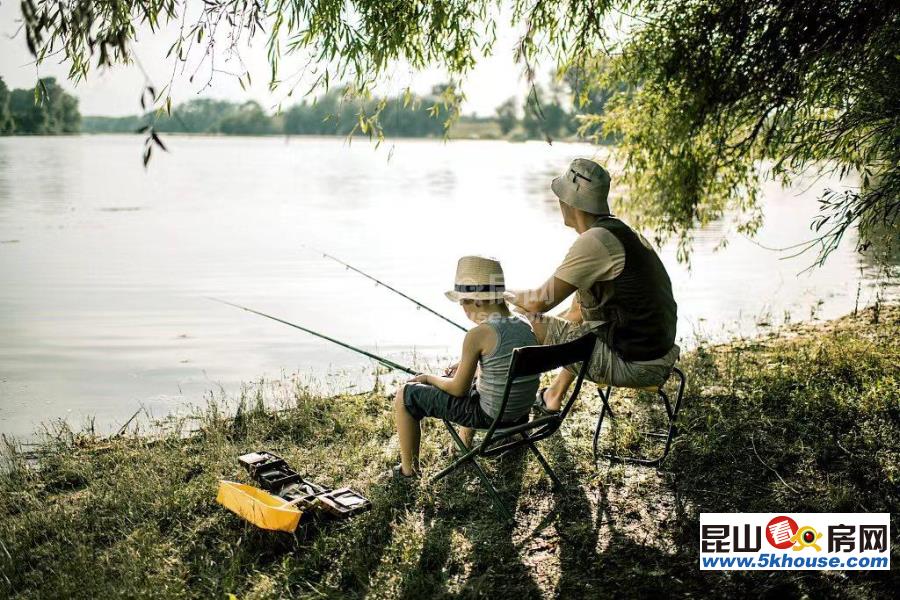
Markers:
{"x": 809, "y": 541}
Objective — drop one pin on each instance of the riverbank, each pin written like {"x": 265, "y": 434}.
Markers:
{"x": 804, "y": 419}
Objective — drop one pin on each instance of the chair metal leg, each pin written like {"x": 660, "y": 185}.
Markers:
{"x": 540, "y": 458}
{"x": 469, "y": 457}
{"x": 453, "y": 466}
{"x": 669, "y": 434}
{"x": 460, "y": 445}
{"x": 498, "y": 502}
{"x": 466, "y": 454}
{"x": 604, "y": 398}
{"x": 673, "y": 414}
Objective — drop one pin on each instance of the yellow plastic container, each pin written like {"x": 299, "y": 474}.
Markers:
{"x": 258, "y": 506}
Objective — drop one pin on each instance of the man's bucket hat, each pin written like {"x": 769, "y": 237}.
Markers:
{"x": 478, "y": 278}
{"x": 585, "y": 185}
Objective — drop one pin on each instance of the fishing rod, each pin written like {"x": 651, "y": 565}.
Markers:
{"x": 383, "y": 284}
{"x": 388, "y": 363}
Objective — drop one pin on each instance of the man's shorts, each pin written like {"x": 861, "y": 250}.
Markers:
{"x": 607, "y": 367}
{"x": 422, "y": 400}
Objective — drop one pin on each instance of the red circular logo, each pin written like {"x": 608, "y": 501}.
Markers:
{"x": 779, "y": 532}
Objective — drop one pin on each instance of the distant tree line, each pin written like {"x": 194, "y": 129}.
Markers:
{"x": 544, "y": 114}
{"x": 48, "y": 109}
{"x": 44, "y": 109}
{"x": 329, "y": 114}
{"x": 557, "y": 111}
{"x": 713, "y": 88}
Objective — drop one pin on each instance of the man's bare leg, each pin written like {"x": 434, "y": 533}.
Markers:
{"x": 554, "y": 394}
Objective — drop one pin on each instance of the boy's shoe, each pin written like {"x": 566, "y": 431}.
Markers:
{"x": 395, "y": 475}
{"x": 451, "y": 451}
{"x": 540, "y": 405}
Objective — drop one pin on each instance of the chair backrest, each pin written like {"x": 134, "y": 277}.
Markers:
{"x": 534, "y": 360}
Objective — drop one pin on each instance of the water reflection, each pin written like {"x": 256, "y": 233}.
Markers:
{"x": 5, "y": 175}
{"x": 441, "y": 181}
{"x": 881, "y": 257}
{"x": 102, "y": 306}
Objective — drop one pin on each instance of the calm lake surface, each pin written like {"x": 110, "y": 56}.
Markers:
{"x": 105, "y": 267}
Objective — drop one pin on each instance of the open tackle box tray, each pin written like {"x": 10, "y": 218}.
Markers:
{"x": 274, "y": 475}
{"x": 284, "y": 498}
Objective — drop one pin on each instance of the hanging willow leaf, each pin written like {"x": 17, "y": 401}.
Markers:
{"x": 155, "y": 138}
{"x": 696, "y": 94}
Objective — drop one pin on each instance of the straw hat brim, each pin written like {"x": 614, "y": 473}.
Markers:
{"x": 454, "y": 296}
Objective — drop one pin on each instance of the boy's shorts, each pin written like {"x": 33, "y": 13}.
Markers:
{"x": 422, "y": 400}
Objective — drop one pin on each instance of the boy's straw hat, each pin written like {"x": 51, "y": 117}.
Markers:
{"x": 478, "y": 278}
{"x": 585, "y": 185}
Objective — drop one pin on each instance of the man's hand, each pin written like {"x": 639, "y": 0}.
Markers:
{"x": 450, "y": 371}
{"x": 420, "y": 378}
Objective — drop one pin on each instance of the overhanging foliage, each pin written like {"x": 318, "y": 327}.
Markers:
{"x": 703, "y": 92}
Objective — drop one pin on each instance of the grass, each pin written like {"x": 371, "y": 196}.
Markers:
{"x": 803, "y": 420}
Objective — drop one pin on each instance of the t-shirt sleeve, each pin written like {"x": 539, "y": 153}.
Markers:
{"x": 597, "y": 255}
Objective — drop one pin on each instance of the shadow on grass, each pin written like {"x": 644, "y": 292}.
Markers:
{"x": 494, "y": 564}
{"x": 323, "y": 557}
{"x": 599, "y": 552}
{"x": 368, "y": 542}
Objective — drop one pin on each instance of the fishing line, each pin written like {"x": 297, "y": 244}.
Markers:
{"x": 383, "y": 284}
{"x": 386, "y": 362}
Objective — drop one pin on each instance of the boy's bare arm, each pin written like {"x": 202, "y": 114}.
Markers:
{"x": 461, "y": 381}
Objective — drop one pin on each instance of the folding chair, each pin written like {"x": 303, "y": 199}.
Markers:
{"x": 526, "y": 361}
{"x": 667, "y": 434}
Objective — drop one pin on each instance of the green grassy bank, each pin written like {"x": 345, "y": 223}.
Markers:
{"x": 801, "y": 420}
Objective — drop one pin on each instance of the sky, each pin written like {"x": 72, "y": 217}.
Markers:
{"x": 117, "y": 91}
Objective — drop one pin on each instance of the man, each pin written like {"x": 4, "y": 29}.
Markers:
{"x": 622, "y": 292}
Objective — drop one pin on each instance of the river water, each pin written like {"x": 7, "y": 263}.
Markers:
{"x": 105, "y": 267}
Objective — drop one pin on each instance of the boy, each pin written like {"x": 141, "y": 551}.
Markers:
{"x": 487, "y": 347}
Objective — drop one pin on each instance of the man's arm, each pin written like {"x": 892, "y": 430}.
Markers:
{"x": 544, "y": 298}
{"x": 596, "y": 255}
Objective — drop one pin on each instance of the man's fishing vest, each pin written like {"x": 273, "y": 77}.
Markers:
{"x": 637, "y": 306}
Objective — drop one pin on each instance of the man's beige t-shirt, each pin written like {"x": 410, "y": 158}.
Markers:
{"x": 596, "y": 255}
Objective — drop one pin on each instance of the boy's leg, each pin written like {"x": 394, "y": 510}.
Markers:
{"x": 409, "y": 434}
{"x": 466, "y": 434}
{"x": 416, "y": 401}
